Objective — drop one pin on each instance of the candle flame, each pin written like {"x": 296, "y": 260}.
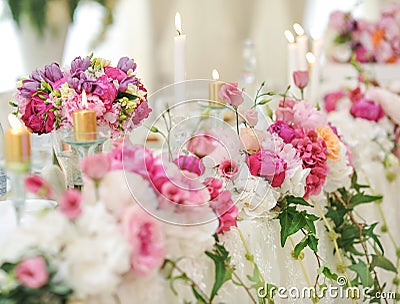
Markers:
{"x": 84, "y": 100}
{"x": 215, "y": 74}
{"x": 298, "y": 29}
{"x": 289, "y": 36}
{"x": 178, "y": 23}
{"x": 310, "y": 58}
{"x": 15, "y": 122}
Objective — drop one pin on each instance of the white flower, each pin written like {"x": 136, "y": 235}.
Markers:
{"x": 390, "y": 102}
{"x": 295, "y": 185}
{"x": 339, "y": 172}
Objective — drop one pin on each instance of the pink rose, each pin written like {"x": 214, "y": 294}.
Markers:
{"x": 226, "y": 211}
{"x": 268, "y": 164}
{"x": 146, "y": 239}
{"x": 214, "y": 186}
{"x": 252, "y": 139}
{"x": 70, "y": 204}
{"x": 96, "y": 166}
{"x": 38, "y": 186}
{"x": 251, "y": 117}
{"x": 229, "y": 169}
{"x": 32, "y": 272}
{"x": 231, "y": 94}
{"x": 300, "y": 79}
{"x": 367, "y": 109}
{"x": 285, "y": 110}
{"x": 202, "y": 144}
{"x": 190, "y": 163}
{"x": 331, "y": 100}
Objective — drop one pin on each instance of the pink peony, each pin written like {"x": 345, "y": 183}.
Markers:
{"x": 96, "y": 166}
{"x": 105, "y": 90}
{"x": 214, "y": 186}
{"x": 32, "y": 272}
{"x": 146, "y": 239}
{"x": 229, "y": 169}
{"x": 38, "y": 186}
{"x": 308, "y": 117}
{"x": 190, "y": 163}
{"x": 367, "y": 109}
{"x": 230, "y": 93}
{"x": 286, "y": 132}
{"x": 268, "y": 164}
{"x": 226, "y": 211}
{"x": 300, "y": 79}
{"x": 115, "y": 73}
{"x": 70, "y": 204}
{"x": 251, "y": 117}
{"x": 331, "y": 100}
{"x": 202, "y": 144}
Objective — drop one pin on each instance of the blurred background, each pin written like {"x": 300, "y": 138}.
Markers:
{"x": 234, "y": 36}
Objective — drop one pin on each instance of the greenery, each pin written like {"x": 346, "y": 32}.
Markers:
{"x": 35, "y": 11}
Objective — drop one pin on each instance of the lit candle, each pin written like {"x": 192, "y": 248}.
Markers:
{"x": 302, "y": 41}
{"x": 317, "y": 45}
{"x": 311, "y": 87}
{"x": 292, "y": 50}
{"x": 179, "y": 51}
{"x": 85, "y": 126}
{"x": 17, "y": 146}
{"x": 213, "y": 89}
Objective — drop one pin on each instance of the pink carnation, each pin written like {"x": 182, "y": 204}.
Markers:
{"x": 226, "y": 211}
{"x": 70, "y": 204}
{"x": 214, "y": 186}
{"x": 38, "y": 186}
{"x": 285, "y": 110}
{"x": 229, "y": 169}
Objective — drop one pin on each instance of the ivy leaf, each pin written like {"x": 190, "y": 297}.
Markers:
{"x": 336, "y": 215}
{"x": 361, "y": 198}
{"x": 300, "y": 246}
{"x": 369, "y": 231}
{"x": 354, "y": 183}
{"x": 327, "y": 272}
{"x": 291, "y": 221}
{"x": 382, "y": 262}
{"x": 313, "y": 242}
{"x": 297, "y": 201}
{"x": 363, "y": 272}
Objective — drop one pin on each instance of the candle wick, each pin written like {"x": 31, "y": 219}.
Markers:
{"x": 179, "y": 33}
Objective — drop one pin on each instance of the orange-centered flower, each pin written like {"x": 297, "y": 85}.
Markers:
{"x": 331, "y": 140}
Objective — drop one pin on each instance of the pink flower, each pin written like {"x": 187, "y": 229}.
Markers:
{"x": 115, "y": 73}
{"x": 286, "y": 132}
{"x": 252, "y": 138}
{"x": 32, "y": 272}
{"x": 362, "y": 55}
{"x": 306, "y": 116}
{"x": 229, "y": 169}
{"x": 70, "y": 204}
{"x": 38, "y": 186}
{"x": 268, "y": 164}
{"x": 226, "y": 211}
{"x": 146, "y": 239}
{"x": 105, "y": 90}
{"x": 384, "y": 53}
{"x": 202, "y": 144}
{"x": 367, "y": 109}
{"x": 190, "y": 163}
{"x": 331, "y": 100}
{"x": 285, "y": 110}
{"x": 174, "y": 194}
{"x": 251, "y": 117}
{"x": 300, "y": 79}
{"x": 337, "y": 21}
{"x": 355, "y": 94}
{"x": 214, "y": 186}
{"x": 96, "y": 166}
{"x": 231, "y": 94}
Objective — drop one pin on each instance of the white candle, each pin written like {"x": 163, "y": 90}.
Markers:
{"x": 292, "y": 59}
{"x": 302, "y": 41}
{"x": 179, "y": 51}
{"x": 312, "y": 79}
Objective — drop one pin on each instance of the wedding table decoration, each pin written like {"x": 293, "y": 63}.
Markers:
{"x": 242, "y": 213}
{"x": 367, "y": 41}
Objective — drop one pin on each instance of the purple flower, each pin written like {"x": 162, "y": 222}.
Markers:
{"x": 142, "y": 111}
{"x": 52, "y": 73}
{"x": 286, "y": 132}
{"x": 125, "y": 64}
{"x": 80, "y": 65}
{"x": 367, "y": 109}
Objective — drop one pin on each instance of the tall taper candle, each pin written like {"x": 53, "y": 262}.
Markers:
{"x": 179, "y": 51}
{"x": 302, "y": 42}
{"x": 292, "y": 59}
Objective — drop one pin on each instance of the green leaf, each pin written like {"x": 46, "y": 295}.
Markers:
{"x": 336, "y": 215}
{"x": 7, "y": 267}
{"x": 264, "y": 101}
{"x": 199, "y": 298}
{"x": 327, "y": 272}
{"x": 361, "y": 198}
{"x": 291, "y": 221}
{"x": 300, "y": 246}
{"x": 13, "y": 104}
{"x": 369, "y": 231}
{"x": 363, "y": 272}
{"x": 354, "y": 183}
{"x": 297, "y": 201}
{"x": 382, "y": 262}
{"x": 313, "y": 242}
{"x": 127, "y": 95}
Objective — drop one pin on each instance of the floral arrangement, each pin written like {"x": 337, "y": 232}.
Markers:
{"x": 368, "y": 41}
{"x": 47, "y": 98}
{"x": 176, "y": 219}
